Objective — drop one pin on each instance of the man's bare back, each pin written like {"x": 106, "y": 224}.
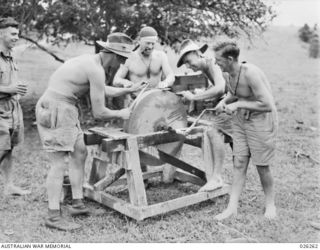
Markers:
{"x": 58, "y": 120}
{"x": 72, "y": 78}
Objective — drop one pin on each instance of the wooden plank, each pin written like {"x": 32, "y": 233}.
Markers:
{"x": 157, "y": 138}
{"x": 155, "y": 172}
{"x": 112, "y": 133}
{"x": 195, "y": 141}
{"x": 137, "y": 192}
{"x": 98, "y": 171}
{"x": 111, "y": 145}
{"x": 181, "y": 202}
{"x": 184, "y": 177}
{"x": 103, "y": 156}
{"x": 114, "y": 203}
{"x": 91, "y": 138}
{"x": 116, "y": 142}
{"x": 167, "y": 158}
{"x": 108, "y": 180}
{"x": 149, "y": 159}
{"x": 121, "y": 206}
{"x": 146, "y": 140}
{"x": 189, "y": 82}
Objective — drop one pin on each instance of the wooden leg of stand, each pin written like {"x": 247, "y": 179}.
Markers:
{"x": 98, "y": 170}
{"x": 136, "y": 187}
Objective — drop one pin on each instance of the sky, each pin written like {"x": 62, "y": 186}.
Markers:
{"x": 296, "y": 12}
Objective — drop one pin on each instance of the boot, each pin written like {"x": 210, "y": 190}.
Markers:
{"x": 78, "y": 208}
{"x": 56, "y": 221}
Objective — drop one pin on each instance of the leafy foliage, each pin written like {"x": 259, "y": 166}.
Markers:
{"x": 173, "y": 19}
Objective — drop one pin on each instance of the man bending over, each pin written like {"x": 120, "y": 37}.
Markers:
{"x": 58, "y": 119}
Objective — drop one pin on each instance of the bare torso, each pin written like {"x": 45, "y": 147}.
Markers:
{"x": 71, "y": 79}
{"x": 243, "y": 90}
{"x": 141, "y": 69}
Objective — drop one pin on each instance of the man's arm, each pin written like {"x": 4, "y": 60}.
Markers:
{"x": 229, "y": 98}
{"x": 119, "y": 79}
{"x": 167, "y": 71}
{"x": 263, "y": 98}
{"x": 216, "y": 91}
{"x": 114, "y": 91}
{"x": 13, "y": 89}
{"x": 97, "y": 96}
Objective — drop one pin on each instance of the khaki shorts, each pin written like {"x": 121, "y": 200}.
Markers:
{"x": 11, "y": 123}
{"x": 255, "y": 136}
{"x": 58, "y": 122}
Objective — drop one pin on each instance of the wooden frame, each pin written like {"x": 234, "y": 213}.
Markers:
{"x": 130, "y": 174}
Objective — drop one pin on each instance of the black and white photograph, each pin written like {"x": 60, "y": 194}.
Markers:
{"x": 159, "y": 121}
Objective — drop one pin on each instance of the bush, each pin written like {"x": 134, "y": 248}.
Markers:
{"x": 305, "y": 33}
{"x": 314, "y": 46}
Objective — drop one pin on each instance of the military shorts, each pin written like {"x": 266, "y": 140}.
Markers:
{"x": 58, "y": 122}
{"x": 11, "y": 123}
{"x": 254, "y": 135}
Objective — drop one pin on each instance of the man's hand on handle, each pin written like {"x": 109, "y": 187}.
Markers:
{"x": 126, "y": 83}
{"x": 231, "y": 108}
{"x": 163, "y": 85}
{"x": 187, "y": 95}
{"x": 125, "y": 113}
{"x": 221, "y": 106}
{"x": 226, "y": 108}
{"x": 137, "y": 86}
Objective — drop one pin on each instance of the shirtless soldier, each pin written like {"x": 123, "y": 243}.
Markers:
{"x": 254, "y": 123}
{"x": 191, "y": 56}
{"x": 58, "y": 119}
{"x": 147, "y": 65}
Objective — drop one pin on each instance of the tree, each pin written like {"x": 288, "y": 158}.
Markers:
{"x": 305, "y": 33}
{"x": 91, "y": 20}
{"x": 314, "y": 48}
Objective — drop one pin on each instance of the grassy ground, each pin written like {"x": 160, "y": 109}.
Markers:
{"x": 295, "y": 81}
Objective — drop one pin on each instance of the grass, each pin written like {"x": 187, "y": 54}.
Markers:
{"x": 295, "y": 82}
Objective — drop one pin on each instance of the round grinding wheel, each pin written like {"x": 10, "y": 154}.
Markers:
{"x": 154, "y": 110}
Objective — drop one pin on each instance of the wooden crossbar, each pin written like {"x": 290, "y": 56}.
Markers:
{"x": 142, "y": 212}
{"x": 171, "y": 205}
{"x": 106, "y": 143}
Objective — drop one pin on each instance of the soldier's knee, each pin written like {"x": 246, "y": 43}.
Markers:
{"x": 80, "y": 150}
{"x": 241, "y": 162}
